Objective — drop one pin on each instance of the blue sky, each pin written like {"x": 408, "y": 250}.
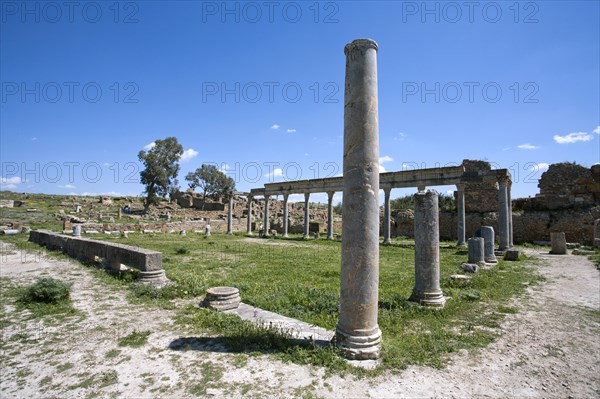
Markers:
{"x": 257, "y": 88}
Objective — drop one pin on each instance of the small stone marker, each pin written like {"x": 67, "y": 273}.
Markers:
{"x": 469, "y": 267}
{"x": 182, "y": 233}
{"x": 77, "y": 231}
{"x": 221, "y": 298}
{"x": 487, "y": 232}
{"x": 559, "y": 243}
{"x": 207, "y": 230}
{"x": 512, "y": 254}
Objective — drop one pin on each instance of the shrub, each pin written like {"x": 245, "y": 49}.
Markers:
{"x": 47, "y": 290}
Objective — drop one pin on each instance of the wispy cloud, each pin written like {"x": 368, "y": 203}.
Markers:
{"x": 189, "y": 154}
{"x": 277, "y": 172}
{"x": 33, "y": 138}
{"x": 9, "y": 183}
{"x": 573, "y": 138}
{"x": 275, "y": 126}
{"x": 385, "y": 158}
{"x": 527, "y": 146}
{"x": 596, "y": 130}
{"x": 399, "y": 137}
{"x": 70, "y": 186}
{"x": 149, "y": 146}
{"x": 291, "y": 130}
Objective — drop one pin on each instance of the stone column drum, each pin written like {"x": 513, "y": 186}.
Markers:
{"x": 230, "y": 216}
{"x": 357, "y": 332}
{"x": 487, "y": 232}
{"x": 559, "y": 243}
{"x": 510, "y": 215}
{"x": 503, "y": 223}
{"x": 285, "y": 215}
{"x": 427, "y": 291}
{"x": 476, "y": 250}
{"x": 387, "y": 215}
{"x": 330, "y": 215}
{"x": 306, "y": 216}
{"x": 266, "y": 223}
{"x": 460, "y": 215}
{"x": 249, "y": 219}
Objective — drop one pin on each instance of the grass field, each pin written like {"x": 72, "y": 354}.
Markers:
{"x": 300, "y": 279}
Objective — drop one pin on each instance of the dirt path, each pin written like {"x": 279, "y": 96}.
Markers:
{"x": 549, "y": 349}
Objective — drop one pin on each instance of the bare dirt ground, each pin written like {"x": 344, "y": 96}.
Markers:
{"x": 550, "y": 348}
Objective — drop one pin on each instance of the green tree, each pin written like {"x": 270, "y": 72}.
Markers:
{"x": 211, "y": 181}
{"x": 161, "y": 164}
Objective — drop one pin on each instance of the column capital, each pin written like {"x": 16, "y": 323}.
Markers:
{"x": 306, "y": 196}
{"x": 460, "y": 187}
{"x": 505, "y": 180}
{"x": 360, "y": 44}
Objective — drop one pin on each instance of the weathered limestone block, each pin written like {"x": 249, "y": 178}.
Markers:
{"x": 559, "y": 243}
{"x": 512, "y": 255}
{"x": 427, "y": 290}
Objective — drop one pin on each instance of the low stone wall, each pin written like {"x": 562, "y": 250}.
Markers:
{"x": 577, "y": 224}
{"x": 148, "y": 262}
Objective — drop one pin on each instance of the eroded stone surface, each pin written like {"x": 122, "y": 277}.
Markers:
{"x": 221, "y": 298}
{"x": 559, "y": 243}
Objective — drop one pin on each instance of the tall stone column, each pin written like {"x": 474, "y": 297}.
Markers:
{"x": 249, "y": 220}
{"x": 387, "y": 216}
{"x": 357, "y": 332}
{"x": 460, "y": 214}
{"x": 503, "y": 214}
{"x": 230, "y": 216}
{"x": 330, "y": 215}
{"x": 285, "y": 215}
{"x": 306, "y": 216}
{"x": 427, "y": 291}
{"x": 266, "y": 222}
{"x": 510, "y": 216}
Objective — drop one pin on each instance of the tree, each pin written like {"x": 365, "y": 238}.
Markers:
{"x": 161, "y": 164}
{"x": 212, "y": 181}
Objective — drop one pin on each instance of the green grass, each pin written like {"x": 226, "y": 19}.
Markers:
{"x": 136, "y": 339}
{"x": 300, "y": 279}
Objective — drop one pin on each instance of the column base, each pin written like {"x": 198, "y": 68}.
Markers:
{"x": 359, "y": 347}
{"x": 491, "y": 259}
{"x": 461, "y": 244}
{"x": 432, "y": 299}
{"x": 153, "y": 277}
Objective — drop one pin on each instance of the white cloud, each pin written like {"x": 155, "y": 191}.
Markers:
{"x": 382, "y": 169}
{"x": 399, "y": 137}
{"x": 275, "y": 127}
{"x": 224, "y": 167}
{"x": 149, "y": 146}
{"x": 539, "y": 167}
{"x": 67, "y": 186}
{"x": 528, "y": 146}
{"x": 8, "y": 186}
{"x": 188, "y": 154}
{"x": 573, "y": 138}
{"x": 291, "y": 130}
{"x": 596, "y": 130}
{"x": 11, "y": 180}
{"x": 277, "y": 172}
{"x": 385, "y": 158}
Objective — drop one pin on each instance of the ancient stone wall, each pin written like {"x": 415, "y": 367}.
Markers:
{"x": 480, "y": 197}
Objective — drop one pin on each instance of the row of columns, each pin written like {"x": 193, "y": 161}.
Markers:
{"x": 505, "y": 228}
{"x": 285, "y": 225}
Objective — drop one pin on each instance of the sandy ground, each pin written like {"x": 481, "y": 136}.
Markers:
{"x": 550, "y": 348}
